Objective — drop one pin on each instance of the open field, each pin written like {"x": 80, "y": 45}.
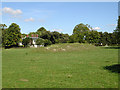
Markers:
{"x": 60, "y": 66}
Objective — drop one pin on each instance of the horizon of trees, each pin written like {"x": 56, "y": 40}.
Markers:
{"x": 11, "y": 36}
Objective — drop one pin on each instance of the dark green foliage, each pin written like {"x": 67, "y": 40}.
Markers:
{"x": 30, "y": 34}
{"x": 26, "y": 41}
{"x": 47, "y": 42}
{"x": 45, "y": 35}
{"x": 12, "y": 35}
{"x": 92, "y": 37}
{"x": 40, "y": 41}
{"x": 100, "y": 40}
{"x": 82, "y": 34}
{"x": 2, "y": 34}
{"x": 56, "y": 34}
{"x": 72, "y": 39}
{"x": 113, "y": 39}
{"x": 44, "y": 42}
{"x": 79, "y": 33}
{"x": 54, "y": 37}
{"x": 64, "y": 38}
{"x": 23, "y": 35}
{"x": 80, "y": 28}
{"x": 41, "y": 29}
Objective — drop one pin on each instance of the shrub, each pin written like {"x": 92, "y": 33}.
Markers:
{"x": 26, "y": 41}
{"x": 97, "y": 44}
{"x": 47, "y": 42}
{"x": 40, "y": 41}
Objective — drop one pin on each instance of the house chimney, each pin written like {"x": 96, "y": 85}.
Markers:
{"x": 37, "y": 35}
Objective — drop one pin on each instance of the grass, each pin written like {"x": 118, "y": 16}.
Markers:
{"x": 60, "y": 66}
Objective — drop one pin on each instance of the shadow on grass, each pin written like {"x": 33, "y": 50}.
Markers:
{"x": 112, "y": 47}
{"x": 113, "y": 68}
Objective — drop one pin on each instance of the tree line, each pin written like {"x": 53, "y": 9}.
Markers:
{"x": 82, "y": 33}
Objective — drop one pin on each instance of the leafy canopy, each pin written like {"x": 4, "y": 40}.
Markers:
{"x": 12, "y": 35}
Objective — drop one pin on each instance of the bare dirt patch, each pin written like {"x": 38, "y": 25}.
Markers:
{"x": 24, "y": 80}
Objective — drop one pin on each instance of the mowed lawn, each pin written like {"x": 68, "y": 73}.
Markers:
{"x": 60, "y": 66}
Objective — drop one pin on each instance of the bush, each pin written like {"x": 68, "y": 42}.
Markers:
{"x": 40, "y": 41}
{"x": 47, "y": 42}
{"x": 21, "y": 46}
{"x": 26, "y": 41}
{"x": 97, "y": 44}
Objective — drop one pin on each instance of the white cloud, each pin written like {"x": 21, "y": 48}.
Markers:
{"x": 96, "y": 28}
{"x": 29, "y": 20}
{"x": 11, "y": 11}
{"x": 59, "y": 30}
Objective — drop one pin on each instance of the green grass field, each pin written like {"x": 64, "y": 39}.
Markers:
{"x": 60, "y": 66}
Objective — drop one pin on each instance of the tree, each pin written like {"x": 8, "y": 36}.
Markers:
{"x": 45, "y": 35}
{"x": 114, "y": 39}
{"x": 2, "y": 26}
{"x": 40, "y": 41}
{"x": 2, "y": 33}
{"x": 30, "y": 34}
{"x": 64, "y": 38}
{"x": 12, "y": 35}
{"x": 80, "y": 28}
{"x": 40, "y": 31}
{"x": 26, "y": 41}
{"x": 47, "y": 42}
{"x": 100, "y": 40}
{"x": 80, "y": 31}
{"x": 56, "y": 34}
{"x": 73, "y": 38}
{"x": 23, "y": 35}
{"x": 92, "y": 37}
{"x": 105, "y": 38}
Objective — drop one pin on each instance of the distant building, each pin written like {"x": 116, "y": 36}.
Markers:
{"x": 33, "y": 43}
{"x": 34, "y": 38}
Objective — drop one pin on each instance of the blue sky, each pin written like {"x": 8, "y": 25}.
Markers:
{"x": 60, "y": 16}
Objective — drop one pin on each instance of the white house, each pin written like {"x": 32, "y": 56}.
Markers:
{"x": 34, "y": 38}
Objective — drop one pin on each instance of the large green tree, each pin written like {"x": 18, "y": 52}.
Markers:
{"x": 41, "y": 31}
{"x": 80, "y": 28}
{"x": 12, "y": 36}
{"x": 79, "y": 32}
{"x": 92, "y": 37}
{"x": 27, "y": 41}
{"x": 2, "y": 32}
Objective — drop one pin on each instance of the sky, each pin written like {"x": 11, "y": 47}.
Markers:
{"x": 60, "y": 16}
{"x": 60, "y": 0}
